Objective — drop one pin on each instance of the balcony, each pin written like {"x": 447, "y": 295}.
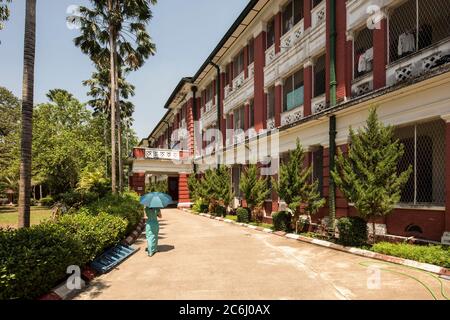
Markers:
{"x": 271, "y": 124}
{"x": 319, "y": 104}
{"x": 362, "y": 85}
{"x": 292, "y": 116}
{"x": 209, "y": 117}
{"x": 417, "y": 64}
{"x": 318, "y": 15}
{"x": 156, "y": 154}
{"x": 241, "y": 91}
{"x": 297, "y": 46}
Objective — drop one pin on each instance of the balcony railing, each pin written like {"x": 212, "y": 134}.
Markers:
{"x": 292, "y": 116}
{"x": 292, "y": 37}
{"x": 418, "y": 63}
{"x": 319, "y": 104}
{"x": 270, "y": 55}
{"x": 156, "y": 154}
{"x": 319, "y": 14}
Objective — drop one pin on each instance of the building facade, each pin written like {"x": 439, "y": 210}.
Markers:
{"x": 311, "y": 69}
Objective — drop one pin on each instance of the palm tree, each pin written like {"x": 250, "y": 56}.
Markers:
{"x": 27, "y": 114}
{"x": 114, "y": 35}
{"x": 99, "y": 91}
{"x": 4, "y": 12}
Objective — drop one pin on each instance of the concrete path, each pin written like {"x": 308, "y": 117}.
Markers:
{"x": 201, "y": 258}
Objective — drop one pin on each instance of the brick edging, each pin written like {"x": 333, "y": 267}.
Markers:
{"x": 441, "y": 271}
{"x": 61, "y": 292}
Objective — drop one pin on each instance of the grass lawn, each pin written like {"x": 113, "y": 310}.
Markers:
{"x": 9, "y": 215}
{"x": 230, "y": 217}
{"x": 258, "y": 224}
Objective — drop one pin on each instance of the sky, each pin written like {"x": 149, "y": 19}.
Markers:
{"x": 185, "y": 33}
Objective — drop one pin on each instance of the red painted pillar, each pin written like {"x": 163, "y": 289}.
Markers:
{"x": 184, "y": 200}
{"x": 328, "y": 51}
{"x": 259, "y": 98}
{"x": 307, "y": 13}
{"x": 277, "y": 32}
{"x": 342, "y": 59}
{"x": 307, "y": 75}
{"x": 278, "y": 103}
{"x": 380, "y": 55}
{"x": 349, "y": 67}
{"x": 447, "y": 174}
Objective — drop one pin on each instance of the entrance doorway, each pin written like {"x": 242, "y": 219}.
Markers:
{"x": 173, "y": 188}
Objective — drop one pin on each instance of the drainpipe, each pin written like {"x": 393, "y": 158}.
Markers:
{"x": 333, "y": 101}
{"x": 219, "y": 115}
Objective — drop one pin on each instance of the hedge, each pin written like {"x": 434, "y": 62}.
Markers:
{"x": 352, "y": 231}
{"x": 432, "y": 254}
{"x": 33, "y": 260}
{"x": 243, "y": 215}
{"x": 282, "y": 221}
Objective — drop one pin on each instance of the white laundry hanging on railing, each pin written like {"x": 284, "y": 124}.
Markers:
{"x": 365, "y": 61}
{"x": 406, "y": 43}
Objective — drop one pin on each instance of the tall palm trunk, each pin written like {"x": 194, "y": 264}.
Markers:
{"x": 119, "y": 127}
{"x": 112, "y": 47}
{"x": 27, "y": 114}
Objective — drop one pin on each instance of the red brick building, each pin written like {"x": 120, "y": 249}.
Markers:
{"x": 310, "y": 69}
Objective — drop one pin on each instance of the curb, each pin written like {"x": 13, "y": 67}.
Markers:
{"x": 441, "y": 271}
{"x": 61, "y": 292}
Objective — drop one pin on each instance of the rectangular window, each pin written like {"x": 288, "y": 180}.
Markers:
{"x": 271, "y": 103}
{"x": 209, "y": 93}
{"x": 251, "y": 51}
{"x": 292, "y": 14}
{"x": 270, "y": 36}
{"x": 424, "y": 145}
{"x": 238, "y": 64}
{"x": 319, "y": 77}
{"x": 315, "y": 3}
{"x": 293, "y": 91}
{"x": 238, "y": 118}
{"x": 363, "y": 52}
{"x": 417, "y": 24}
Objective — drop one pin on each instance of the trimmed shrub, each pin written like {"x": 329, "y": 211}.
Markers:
{"x": 352, "y": 231}
{"x": 200, "y": 206}
{"x": 126, "y": 206}
{"x": 48, "y": 201}
{"x": 33, "y": 260}
{"x": 220, "y": 211}
{"x": 437, "y": 255}
{"x": 282, "y": 221}
{"x": 243, "y": 215}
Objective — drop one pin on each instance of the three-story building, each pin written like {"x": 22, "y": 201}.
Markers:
{"x": 311, "y": 69}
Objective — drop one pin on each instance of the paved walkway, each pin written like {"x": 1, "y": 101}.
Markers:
{"x": 207, "y": 259}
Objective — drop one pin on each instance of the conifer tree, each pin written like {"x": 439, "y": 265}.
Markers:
{"x": 295, "y": 186}
{"x": 369, "y": 176}
{"x": 253, "y": 188}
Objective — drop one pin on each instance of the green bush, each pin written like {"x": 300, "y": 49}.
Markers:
{"x": 282, "y": 221}
{"x": 352, "y": 231}
{"x": 200, "y": 206}
{"x": 77, "y": 199}
{"x": 33, "y": 260}
{"x": 243, "y": 215}
{"x": 437, "y": 255}
{"x": 48, "y": 201}
{"x": 220, "y": 211}
{"x": 126, "y": 206}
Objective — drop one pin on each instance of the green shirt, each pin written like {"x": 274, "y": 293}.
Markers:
{"x": 152, "y": 214}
